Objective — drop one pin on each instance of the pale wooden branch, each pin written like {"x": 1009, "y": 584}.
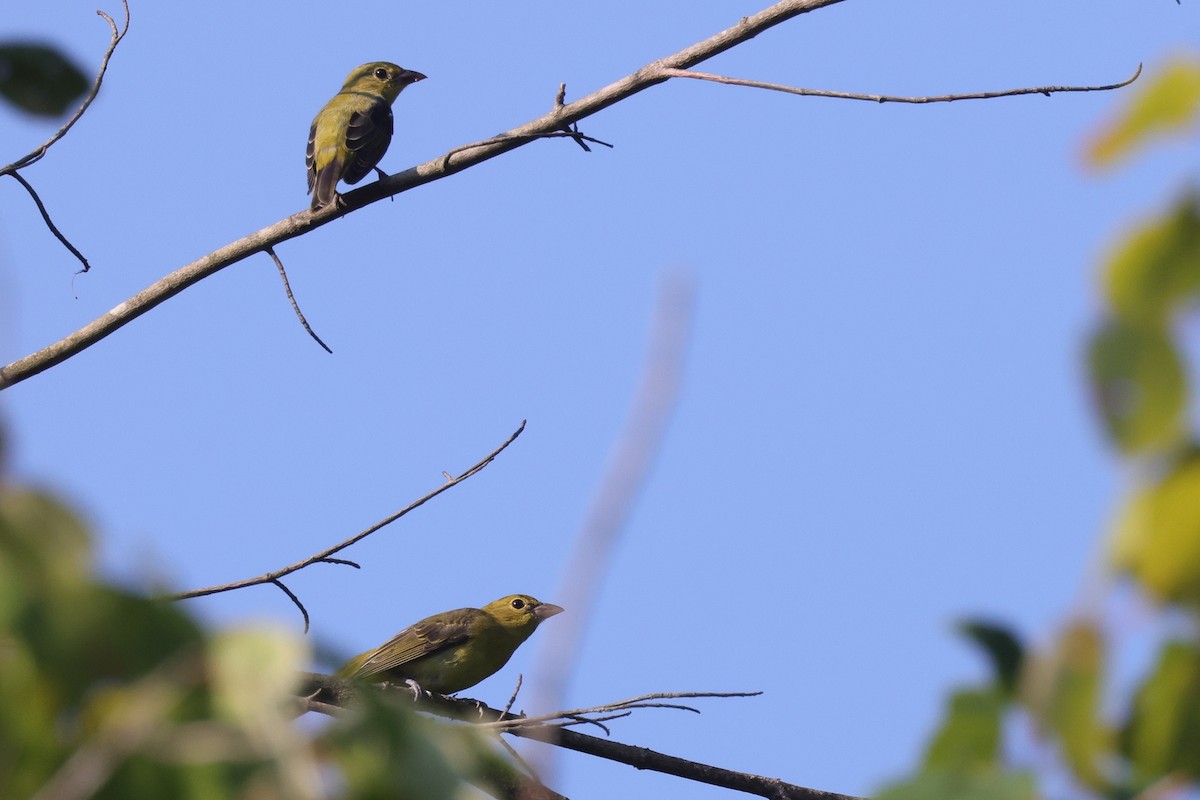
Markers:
{"x": 892, "y": 98}
{"x": 552, "y": 123}
{"x": 326, "y": 555}
{"x": 330, "y": 692}
{"x": 37, "y": 153}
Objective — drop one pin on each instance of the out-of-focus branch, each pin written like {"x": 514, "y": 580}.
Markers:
{"x": 326, "y": 555}
{"x": 628, "y": 467}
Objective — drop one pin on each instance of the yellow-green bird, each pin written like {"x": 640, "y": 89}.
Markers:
{"x": 454, "y": 650}
{"x": 352, "y": 132}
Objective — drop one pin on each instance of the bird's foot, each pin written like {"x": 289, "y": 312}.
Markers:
{"x": 415, "y": 688}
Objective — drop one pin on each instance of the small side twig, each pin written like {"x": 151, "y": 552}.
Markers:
{"x": 46, "y": 218}
{"x": 296, "y": 600}
{"x": 287, "y": 287}
{"x": 564, "y": 132}
{"x": 560, "y": 99}
{"x": 891, "y": 98}
{"x": 325, "y": 556}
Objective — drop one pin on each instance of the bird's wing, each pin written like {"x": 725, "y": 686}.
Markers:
{"x": 368, "y": 136}
{"x": 310, "y": 156}
{"x": 428, "y": 636}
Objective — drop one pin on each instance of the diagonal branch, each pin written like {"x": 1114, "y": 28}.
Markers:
{"x": 117, "y": 36}
{"x": 556, "y": 123}
{"x": 325, "y": 556}
{"x": 329, "y": 694}
{"x": 435, "y": 169}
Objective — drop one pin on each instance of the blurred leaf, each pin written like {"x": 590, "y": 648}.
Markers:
{"x": 1170, "y": 100}
{"x": 1156, "y": 538}
{"x": 1062, "y": 690}
{"x": 1002, "y": 647}
{"x": 1163, "y": 733}
{"x": 969, "y": 739}
{"x": 38, "y": 78}
{"x": 1157, "y": 268}
{"x": 1139, "y": 385}
{"x": 959, "y": 786}
{"x": 387, "y": 751}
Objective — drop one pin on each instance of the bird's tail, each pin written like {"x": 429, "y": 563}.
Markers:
{"x": 324, "y": 189}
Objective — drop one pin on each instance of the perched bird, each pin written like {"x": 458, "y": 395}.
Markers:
{"x": 454, "y": 650}
{"x": 352, "y": 132}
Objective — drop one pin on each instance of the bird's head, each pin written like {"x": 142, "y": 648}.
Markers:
{"x": 520, "y": 611}
{"x": 383, "y": 78}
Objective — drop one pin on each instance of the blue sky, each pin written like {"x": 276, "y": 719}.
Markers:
{"x": 883, "y": 425}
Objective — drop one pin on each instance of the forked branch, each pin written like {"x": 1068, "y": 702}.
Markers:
{"x": 558, "y": 122}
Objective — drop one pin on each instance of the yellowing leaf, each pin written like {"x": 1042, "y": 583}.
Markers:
{"x": 1062, "y": 690}
{"x": 1139, "y": 385}
{"x": 1156, "y": 270}
{"x": 1170, "y": 100}
{"x": 1157, "y": 537}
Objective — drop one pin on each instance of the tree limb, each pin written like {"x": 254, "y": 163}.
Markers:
{"x": 556, "y": 123}
{"x": 441, "y": 167}
{"x": 329, "y": 692}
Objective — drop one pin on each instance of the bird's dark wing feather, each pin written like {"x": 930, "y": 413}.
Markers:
{"x": 310, "y": 156}
{"x": 428, "y": 636}
{"x": 368, "y": 136}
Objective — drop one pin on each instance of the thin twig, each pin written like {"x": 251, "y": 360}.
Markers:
{"x": 46, "y": 218}
{"x": 117, "y": 36}
{"x": 516, "y": 690}
{"x": 324, "y": 555}
{"x": 296, "y": 600}
{"x": 503, "y": 138}
{"x": 287, "y": 287}
{"x": 890, "y": 98}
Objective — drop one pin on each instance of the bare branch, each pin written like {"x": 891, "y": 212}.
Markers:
{"x": 49, "y": 223}
{"x": 558, "y": 122}
{"x": 117, "y": 36}
{"x": 287, "y": 287}
{"x": 435, "y": 169}
{"x": 325, "y": 555}
{"x": 337, "y": 692}
{"x": 889, "y": 98}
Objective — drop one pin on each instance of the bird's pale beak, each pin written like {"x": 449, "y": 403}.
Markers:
{"x": 546, "y": 610}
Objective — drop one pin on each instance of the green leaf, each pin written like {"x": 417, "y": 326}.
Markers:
{"x": 1169, "y": 101}
{"x": 969, "y": 739}
{"x": 1156, "y": 539}
{"x": 1163, "y": 733}
{"x": 1139, "y": 385}
{"x": 958, "y": 786}
{"x": 1156, "y": 270}
{"x": 39, "y": 79}
{"x": 1003, "y": 648}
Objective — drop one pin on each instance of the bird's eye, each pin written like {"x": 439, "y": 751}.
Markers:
{"x": 518, "y": 604}
{"x": 381, "y": 73}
